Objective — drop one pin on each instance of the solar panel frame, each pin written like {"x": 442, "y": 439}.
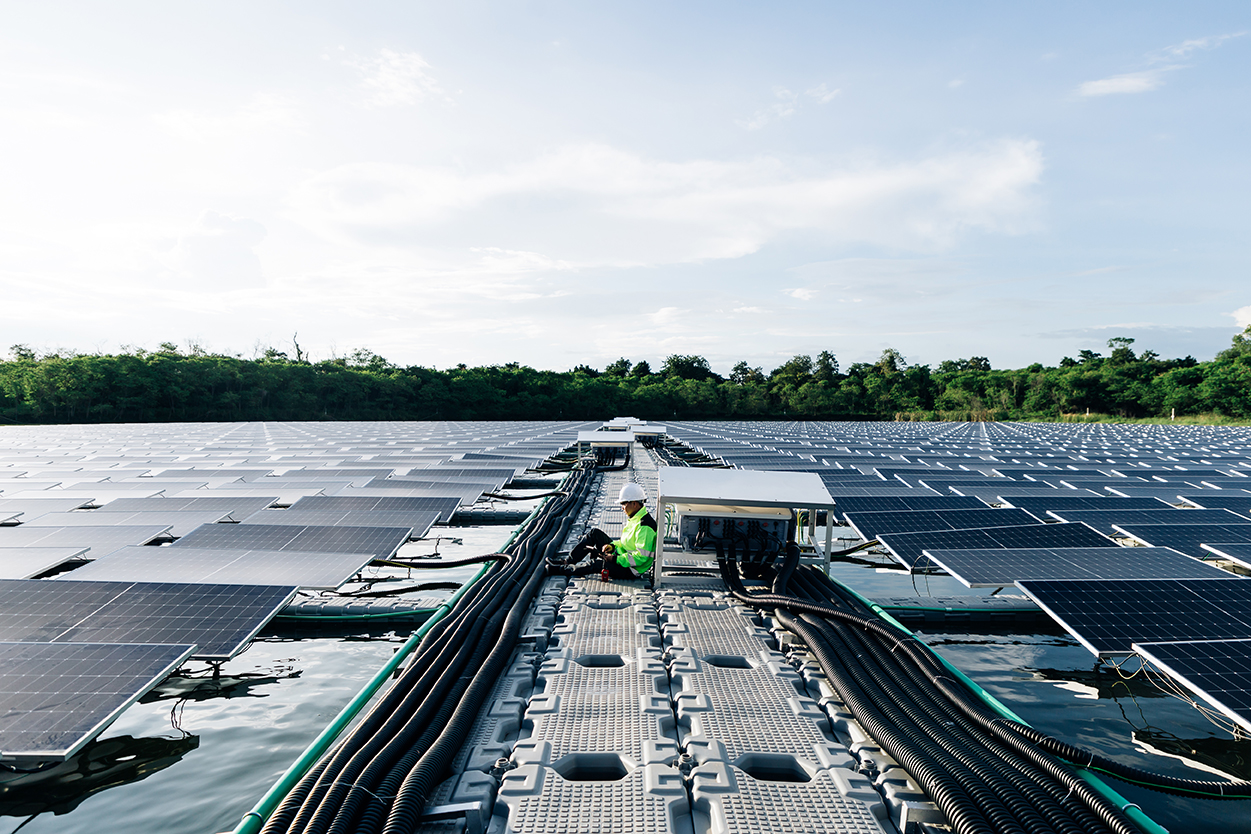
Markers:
{"x": 1238, "y": 552}
{"x": 68, "y": 611}
{"x": 29, "y": 562}
{"x": 1218, "y": 671}
{"x": 1144, "y": 610}
{"x": 101, "y": 540}
{"x": 908, "y": 548}
{"x": 236, "y": 507}
{"x": 867, "y": 503}
{"x": 445, "y": 506}
{"x": 419, "y": 522}
{"x": 1061, "y": 501}
{"x": 1000, "y": 567}
{"x": 67, "y": 714}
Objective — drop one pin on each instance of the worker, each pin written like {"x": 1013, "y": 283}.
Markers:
{"x": 635, "y": 551}
{"x": 629, "y": 557}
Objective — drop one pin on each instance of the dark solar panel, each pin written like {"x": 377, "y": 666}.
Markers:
{"x": 445, "y": 507}
{"x": 1004, "y": 566}
{"x": 1218, "y": 671}
{"x": 55, "y": 697}
{"x": 218, "y": 619}
{"x": 872, "y": 525}
{"x": 887, "y": 503}
{"x": 307, "y": 569}
{"x": 1103, "y": 520}
{"x": 907, "y": 547}
{"x": 419, "y": 522}
{"x": 180, "y": 522}
{"x": 1186, "y": 537}
{"x": 381, "y": 542}
{"x": 1066, "y": 500}
{"x": 28, "y": 562}
{"x": 1108, "y": 616}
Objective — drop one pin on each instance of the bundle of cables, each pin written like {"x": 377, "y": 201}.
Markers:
{"x": 379, "y": 776}
{"x": 986, "y": 772}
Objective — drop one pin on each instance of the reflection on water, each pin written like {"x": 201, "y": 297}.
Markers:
{"x": 208, "y": 684}
{"x": 59, "y": 788}
{"x": 1099, "y": 682}
{"x": 1222, "y": 756}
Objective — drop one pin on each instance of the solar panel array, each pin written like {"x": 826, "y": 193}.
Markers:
{"x": 1114, "y": 477}
{"x": 96, "y": 498}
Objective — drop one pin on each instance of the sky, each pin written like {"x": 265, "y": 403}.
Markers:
{"x": 564, "y": 183}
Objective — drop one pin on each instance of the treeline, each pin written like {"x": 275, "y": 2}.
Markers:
{"x": 195, "y": 385}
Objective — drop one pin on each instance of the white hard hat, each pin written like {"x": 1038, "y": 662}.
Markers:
{"x": 631, "y": 492}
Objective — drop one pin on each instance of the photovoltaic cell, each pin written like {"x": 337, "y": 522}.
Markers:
{"x": 218, "y": 619}
{"x": 381, "y": 542}
{"x": 236, "y": 507}
{"x": 907, "y": 547}
{"x": 55, "y": 697}
{"x": 1218, "y": 671}
{"x": 997, "y": 567}
{"x": 307, "y": 569}
{"x": 180, "y": 522}
{"x": 1186, "y": 538}
{"x": 1108, "y": 616}
{"x": 1214, "y": 499}
{"x": 872, "y": 525}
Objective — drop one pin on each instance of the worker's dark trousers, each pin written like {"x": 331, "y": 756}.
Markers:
{"x": 592, "y": 545}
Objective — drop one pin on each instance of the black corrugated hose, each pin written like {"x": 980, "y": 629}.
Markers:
{"x": 379, "y": 776}
{"x": 988, "y": 774}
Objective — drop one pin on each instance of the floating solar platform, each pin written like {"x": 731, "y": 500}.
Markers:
{"x": 29, "y": 562}
{"x": 419, "y": 522}
{"x": 218, "y": 619}
{"x": 444, "y": 506}
{"x": 897, "y": 503}
{"x": 1066, "y": 500}
{"x": 1108, "y": 616}
{"x": 870, "y": 526}
{"x": 1233, "y": 551}
{"x": 101, "y": 539}
{"x": 56, "y": 697}
{"x": 1103, "y": 520}
{"x": 992, "y": 568}
{"x": 380, "y": 542}
{"x": 1218, "y": 671}
{"x": 908, "y": 548}
{"x": 235, "y": 507}
{"x": 304, "y": 568}
{"x": 1188, "y": 538}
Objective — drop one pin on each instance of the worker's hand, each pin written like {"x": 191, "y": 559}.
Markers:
{"x": 607, "y": 549}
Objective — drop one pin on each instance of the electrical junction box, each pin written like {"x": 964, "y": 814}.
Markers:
{"x": 761, "y": 528}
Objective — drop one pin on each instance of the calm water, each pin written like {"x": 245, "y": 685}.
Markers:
{"x": 210, "y": 751}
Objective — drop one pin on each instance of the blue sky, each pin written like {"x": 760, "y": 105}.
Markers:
{"x": 565, "y": 183}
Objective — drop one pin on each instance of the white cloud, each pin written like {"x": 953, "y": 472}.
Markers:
{"x": 396, "y": 78}
{"x": 1182, "y": 50}
{"x": 594, "y": 205}
{"x": 802, "y": 293}
{"x": 1242, "y": 316}
{"x": 666, "y": 315}
{"x": 1164, "y": 60}
{"x": 955, "y": 82}
{"x": 1132, "y": 82}
{"x": 783, "y": 108}
{"x": 822, "y": 94}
